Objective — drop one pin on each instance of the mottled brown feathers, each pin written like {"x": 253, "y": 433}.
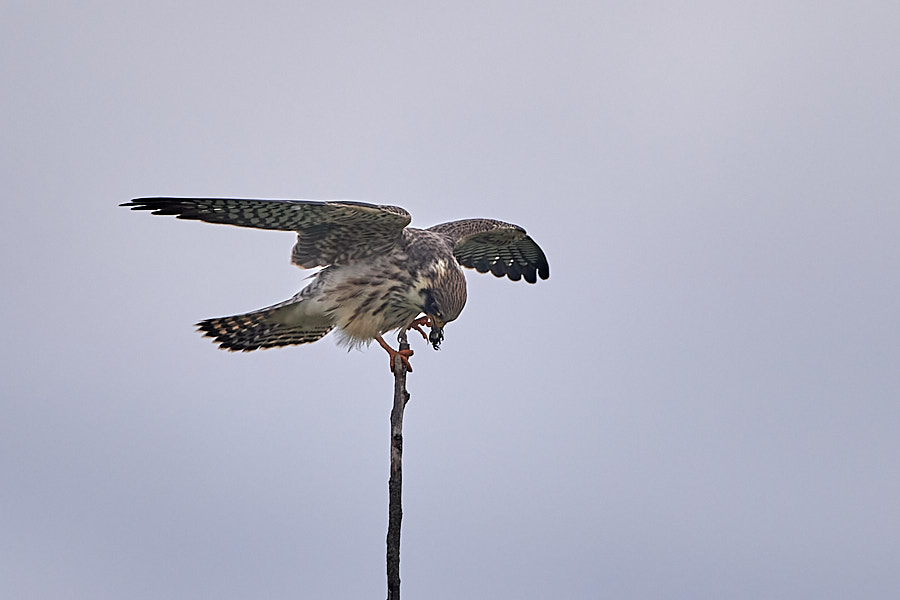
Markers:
{"x": 379, "y": 274}
{"x": 501, "y": 248}
{"x": 327, "y": 232}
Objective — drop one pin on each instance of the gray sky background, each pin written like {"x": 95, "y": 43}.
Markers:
{"x": 701, "y": 402}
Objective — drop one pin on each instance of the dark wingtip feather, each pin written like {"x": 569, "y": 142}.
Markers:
{"x": 159, "y": 206}
{"x": 136, "y": 204}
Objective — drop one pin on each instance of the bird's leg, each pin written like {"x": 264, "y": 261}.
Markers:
{"x": 418, "y": 324}
{"x": 403, "y": 354}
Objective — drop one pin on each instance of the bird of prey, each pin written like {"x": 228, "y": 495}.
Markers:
{"x": 379, "y": 275}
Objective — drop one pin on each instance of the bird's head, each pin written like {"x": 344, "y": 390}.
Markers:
{"x": 442, "y": 305}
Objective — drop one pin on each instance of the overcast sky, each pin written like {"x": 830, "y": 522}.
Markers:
{"x": 703, "y": 401}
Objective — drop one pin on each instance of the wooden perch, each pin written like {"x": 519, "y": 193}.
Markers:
{"x": 395, "y": 510}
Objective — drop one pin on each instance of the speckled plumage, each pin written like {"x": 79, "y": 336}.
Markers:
{"x": 379, "y": 274}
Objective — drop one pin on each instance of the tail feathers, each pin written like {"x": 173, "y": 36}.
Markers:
{"x": 279, "y": 325}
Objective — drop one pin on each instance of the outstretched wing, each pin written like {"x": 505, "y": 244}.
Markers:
{"x": 495, "y": 246}
{"x": 327, "y": 232}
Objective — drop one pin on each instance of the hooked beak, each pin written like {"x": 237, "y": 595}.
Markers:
{"x": 436, "y": 336}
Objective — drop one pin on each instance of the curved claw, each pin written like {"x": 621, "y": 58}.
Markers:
{"x": 404, "y": 358}
{"x": 418, "y": 324}
{"x": 403, "y": 354}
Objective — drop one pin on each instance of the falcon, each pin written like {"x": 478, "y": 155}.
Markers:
{"x": 379, "y": 274}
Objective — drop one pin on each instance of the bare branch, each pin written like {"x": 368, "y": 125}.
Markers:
{"x": 395, "y": 510}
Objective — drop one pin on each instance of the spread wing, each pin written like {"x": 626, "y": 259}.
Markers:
{"x": 495, "y": 246}
{"x": 327, "y": 232}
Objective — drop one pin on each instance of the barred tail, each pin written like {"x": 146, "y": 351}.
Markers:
{"x": 279, "y": 325}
